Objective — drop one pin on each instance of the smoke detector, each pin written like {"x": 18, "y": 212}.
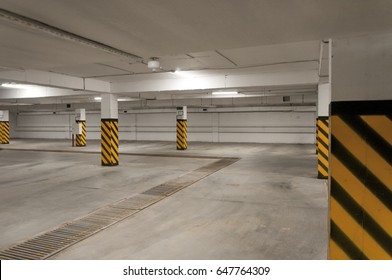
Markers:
{"x": 153, "y": 64}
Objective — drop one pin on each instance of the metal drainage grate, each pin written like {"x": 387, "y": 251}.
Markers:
{"x": 217, "y": 165}
{"x": 137, "y": 202}
{"x": 54, "y": 241}
{"x": 163, "y": 190}
{"x": 50, "y": 243}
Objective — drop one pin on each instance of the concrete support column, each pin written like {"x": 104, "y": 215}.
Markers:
{"x": 182, "y": 117}
{"x": 109, "y": 130}
{"x": 4, "y": 127}
{"x": 322, "y": 138}
{"x": 360, "y": 208}
{"x": 80, "y": 120}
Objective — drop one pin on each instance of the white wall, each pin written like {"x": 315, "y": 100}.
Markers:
{"x": 44, "y": 125}
{"x": 229, "y": 125}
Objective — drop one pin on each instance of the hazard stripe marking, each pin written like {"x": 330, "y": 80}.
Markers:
{"x": 181, "y": 138}
{"x": 363, "y": 220}
{"x": 4, "y": 132}
{"x": 361, "y": 185}
{"x": 364, "y": 175}
{"x": 322, "y": 147}
{"x": 109, "y": 142}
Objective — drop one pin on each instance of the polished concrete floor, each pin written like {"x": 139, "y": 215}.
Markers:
{"x": 267, "y": 205}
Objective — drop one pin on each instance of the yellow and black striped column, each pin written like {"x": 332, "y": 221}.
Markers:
{"x": 4, "y": 132}
{"x": 109, "y": 142}
{"x": 361, "y": 180}
{"x": 182, "y": 135}
{"x": 316, "y": 135}
{"x": 81, "y": 139}
{"x": 322, "y": 147}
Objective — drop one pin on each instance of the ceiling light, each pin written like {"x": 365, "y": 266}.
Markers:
{"x": 97, "y": 98}
{"x": 126, "y": 99}
{"x": 18, "y": 86}
{"x": 183, "y": 74}
{"x": 153, "y": 64}
{"x": 224, "y": 92}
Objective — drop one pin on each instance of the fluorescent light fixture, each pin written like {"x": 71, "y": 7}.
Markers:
{"x": 97, "y": 98}
{"x": 183, "y": 74}
{"x": 224, "y": 92}
{"x": 126, "y": 99}
{"x": 17, "y": 86}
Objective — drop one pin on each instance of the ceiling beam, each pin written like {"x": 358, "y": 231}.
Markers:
{"x": 51, "y": 79}
{"x": 217, "y": 81}
{"x": 63, "y": 34}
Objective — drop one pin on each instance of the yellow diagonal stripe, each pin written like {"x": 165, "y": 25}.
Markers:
{"x": 321, "y": 158}
{"x": 323, "y": 149}
{"x": 321, "y": 137}
{"x": 105, "y": 136}
{"x": 363, "y": 152}
{"x": 106, "y": 128}
{"x": 356, "y": 233}
{"x": 104, "y": 152}
{"x": 104, "y": 160}
{"x": 361, "y": 194}
{"x": 336, "y": 253}
{"x": 322, "y": 171}
{"x": 323, "y": 127}
{"x": 381, "y": 124}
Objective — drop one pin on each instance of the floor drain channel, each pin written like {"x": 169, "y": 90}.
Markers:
{"x": 52, "y": 242}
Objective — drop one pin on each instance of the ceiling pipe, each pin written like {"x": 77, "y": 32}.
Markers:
{"x": 62, "y": 34}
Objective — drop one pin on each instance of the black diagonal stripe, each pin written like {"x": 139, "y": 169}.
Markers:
{"x": 114, "y": 150}
{"x": 323, "y": 166}
{"x": 182, "y": 144}
{"x": 345, "y": 243}
{"x": 115, "y": 136}
{"x": 324, "y": 121}
{"x": 389, "y": 117}
{"x": 106, "y": 127}
{"x": 106, "y": 142}
{"x": 364, "y": 175}
{"x": 361, "y": 216}
{"x": 321, "y": 176}
{"x": 115, "y": 141}
{"x": 323, "y": 143}
{"x": 180, "y": 140}
{"x": 324, "y": 155}
{"x": 323, "y": 132}
{"x": 107, "y": 160}
{"x": 106, "y": 149}
{"x": 183, "y": 134}
{"x": 370, "y": 136}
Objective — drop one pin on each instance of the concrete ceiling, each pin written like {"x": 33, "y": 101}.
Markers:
{"x": 219, "y": 35}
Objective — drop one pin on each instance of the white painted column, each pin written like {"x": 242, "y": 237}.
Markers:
{"x": 4, "y": 116}
{"x": 324, "y": 100}
{"x": 109, "y": 106}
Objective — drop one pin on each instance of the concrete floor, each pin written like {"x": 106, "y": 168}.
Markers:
{"x": 267, "y": 205}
